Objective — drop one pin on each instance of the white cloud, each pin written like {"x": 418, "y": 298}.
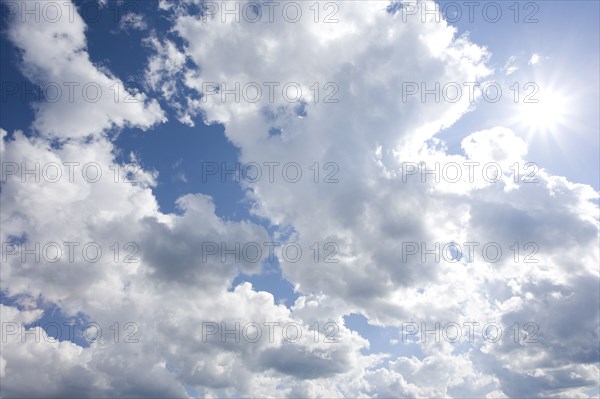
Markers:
{"x": 85, "y": 99}
{"x": 535, "y": 58}
{"x": 164, "y": 72}
{"x": 170, "y": 292}
{"x": 511, "y": 67}
{"x": 369, "y": 214}
{"x": 132, "y": 20}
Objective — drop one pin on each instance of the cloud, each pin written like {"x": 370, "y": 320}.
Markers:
{"x": 84, "y": 99}
{"x": 132, "y": 20}
{"x": 535, "y": 58}
{"x": 168, "y": 293}
{"x": 510, "y": 67}
{"x": 367, "y": 137}
{"x": 369, "y": 214}
{"x": 164, "y": 74}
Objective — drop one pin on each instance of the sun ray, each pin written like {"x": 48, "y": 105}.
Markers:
{"x": 543, "y": 110}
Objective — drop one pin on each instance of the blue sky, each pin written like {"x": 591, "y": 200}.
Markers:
{"x": 162, "y": 53}
{"x": 568, "y": 62}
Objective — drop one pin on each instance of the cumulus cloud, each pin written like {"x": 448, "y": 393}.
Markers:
{"x": 170, "y": 292}
{"x": 369, "y": 214}
{"x": 82, "y": 98}
{"x": 368, "y": 61}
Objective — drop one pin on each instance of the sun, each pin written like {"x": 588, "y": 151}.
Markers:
{"x": 543, "y": 111}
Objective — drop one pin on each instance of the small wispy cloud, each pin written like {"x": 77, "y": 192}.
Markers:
{"x": 511, "y": 65}
{"x": 134, "y": 21}
{"x": 535, "y": 58}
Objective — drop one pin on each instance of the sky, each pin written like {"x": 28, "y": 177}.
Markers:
{"x": 299, "y": 199}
